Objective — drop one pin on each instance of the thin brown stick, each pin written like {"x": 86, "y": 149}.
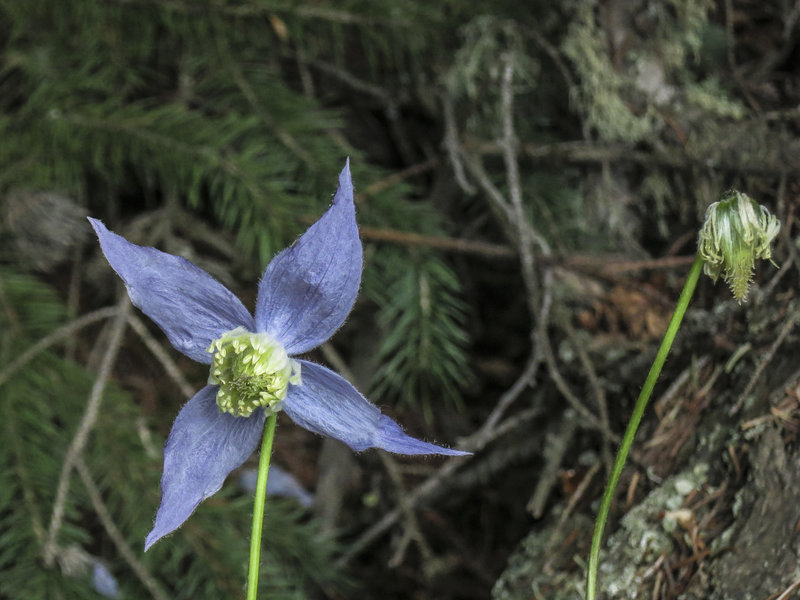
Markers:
{"x": 395, "y": 178}
{"x": 439, "y": 242}
{"x": 163, "y": 357}
{"x": 527, "y": 234}
{"x": 597, "y": 388}
{"x": 523, "y": 381}
{"x": 497, "y": 202}
{"x": 55, "y": 337}
{"x": 573, "y": 502}
{"x": 556, "y": 445}
{"x": 81, "y": 436}
{"x": 512, "y": 217}
{"x": 570, "y": 396}
{"x": 412, "y": 528}
{"x": 148, "y": 581}
{"x": 254, "y": 9}
{"x": 582, "y": 152}
{"x": 431, "y": 486}
{"x": 597, "y": 264}
{"x": 768, "y": 356}
{"x": 362, "y": 86}
{"x": 789, "y": 590}
{"x": 451, "y": 144}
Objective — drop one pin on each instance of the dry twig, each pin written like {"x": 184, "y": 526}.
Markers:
{"x": 555, "y": 448}
{"x": 163, "y": 357}
{"x": 597, "y": 388}
{"x": 55, "y": 337}
{"x": 766, "y": 359}
{"x": 88, "y": 419}
{"x": 116, "y": 536}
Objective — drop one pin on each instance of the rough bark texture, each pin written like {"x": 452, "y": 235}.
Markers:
{"x": 708, "y": 510}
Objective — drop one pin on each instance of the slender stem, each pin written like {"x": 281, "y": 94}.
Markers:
{"x": 258, "y": 507}
{"x": 633, "y": 425}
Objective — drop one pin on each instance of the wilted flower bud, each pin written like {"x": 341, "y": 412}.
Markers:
{"x": 736, "y": 232}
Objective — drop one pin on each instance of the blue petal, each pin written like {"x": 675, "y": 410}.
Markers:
{"x": 103, "y": 581}
{"x": 189, "y": 305}
{"x": 327, "y": 404}
{"x": 279, "y": 483}
{"x": 282, "y": 483}
{"x": 308, "y": 290}
{"x": 203, "y": 447}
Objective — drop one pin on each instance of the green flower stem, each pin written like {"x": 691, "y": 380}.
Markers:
{"x": 633, "y": 425}
{"x": 258, "y": 507}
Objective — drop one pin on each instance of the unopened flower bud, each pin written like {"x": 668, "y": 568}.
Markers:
{"x": 252, "y": 371}
{"x": 736, "y": 232}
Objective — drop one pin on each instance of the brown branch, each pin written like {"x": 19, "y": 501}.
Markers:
{"x": 87, "y": 421}
{"x": 438, "y": 242}
{"x": 157, "y": 350}
{"x": 584, "y": 152}
{"x": 116, "y": 536}
{"x": 767, "y": 358}
{"x": 605, "y": 265}
{"x": 434, "y": 484}
{"x": 597, "y": 388}
{"x": 556, "y": 445}
{"x": 55, "y": 337}
{"x": 395, "y": 178}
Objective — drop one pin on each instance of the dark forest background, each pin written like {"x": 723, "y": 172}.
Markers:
{"x": 530, "y": 180}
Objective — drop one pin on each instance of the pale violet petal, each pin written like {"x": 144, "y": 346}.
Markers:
{"x": 204, "y": 446}
{"x": 190, "y": 306}
{"x": 308, "y": 290}
{"x": 279, "y": 483}
{"x": 327, "y": 404}
{"x": 103, "y": 581}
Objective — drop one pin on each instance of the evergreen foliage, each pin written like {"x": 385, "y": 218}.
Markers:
{"x": 421, "y": 355}
{"x": 131, "y": 106}
{"x": 125, "y": 103}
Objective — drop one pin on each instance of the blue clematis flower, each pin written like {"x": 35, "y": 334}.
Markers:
{"x": 304, "y": 296}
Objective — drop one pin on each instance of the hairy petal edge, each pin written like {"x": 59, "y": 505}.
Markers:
{"x": 189, "y": 305}
{"x": 308, "y": 289}
{"x": 204, "y": 446}
{"x": 327, "y": 404}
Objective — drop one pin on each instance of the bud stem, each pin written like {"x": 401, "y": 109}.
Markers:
{"x": 258, "y": 506}
{"x": 633, "y": 424}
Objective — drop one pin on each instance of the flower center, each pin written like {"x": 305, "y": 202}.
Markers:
{"x": 252, "y": 370}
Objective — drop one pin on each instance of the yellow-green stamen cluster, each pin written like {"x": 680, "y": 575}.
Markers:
{"x": 252, "y": 370}
{"x": 737, "y": 231}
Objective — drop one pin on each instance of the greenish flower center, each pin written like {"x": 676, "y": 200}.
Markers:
{"x": 736, "y": 233}
{"x": 252, "y": 370}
